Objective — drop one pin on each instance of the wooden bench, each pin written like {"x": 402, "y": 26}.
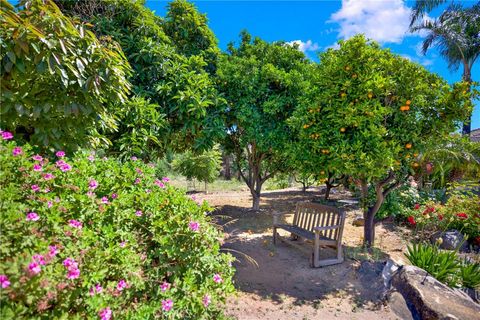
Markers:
{"x": 319, "y": 223}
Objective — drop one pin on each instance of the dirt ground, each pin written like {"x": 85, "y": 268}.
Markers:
{"x": 276, "y": 282}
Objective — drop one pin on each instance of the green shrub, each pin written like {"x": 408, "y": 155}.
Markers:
{"x": 442, "y": 265}
{"x": 398, "y": 203}
{"x": 470, "y": 274}
{"x": 85, "y": 237}
{"x": 445, "y": 266}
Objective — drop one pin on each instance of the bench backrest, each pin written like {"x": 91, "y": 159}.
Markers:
{"x": 309, "y": 215}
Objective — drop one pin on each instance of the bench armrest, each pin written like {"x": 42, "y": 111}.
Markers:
{"x": 318, "y": 229}
{"x": 276, "y": 215}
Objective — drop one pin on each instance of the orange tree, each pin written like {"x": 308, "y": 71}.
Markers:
{"x": 262, "y": 83}
{"x": 368, "y": 114}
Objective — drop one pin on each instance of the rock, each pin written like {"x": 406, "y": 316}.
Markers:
{"x": 358, "y": 221}
{"x": 399, "y": 306}
{"x": 431, "y": 299}
{"x": 388, "y": 271}
{"x": 451, "y": 240}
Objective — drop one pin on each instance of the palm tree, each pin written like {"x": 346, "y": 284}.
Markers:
{"x": 456, "y": 34}
{"x": 421, "y": 7}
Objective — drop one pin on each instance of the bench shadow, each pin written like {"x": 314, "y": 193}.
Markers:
{"x": 283, "y": 271}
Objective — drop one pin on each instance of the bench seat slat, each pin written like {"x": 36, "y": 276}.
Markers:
{"x": 300, "y": 232}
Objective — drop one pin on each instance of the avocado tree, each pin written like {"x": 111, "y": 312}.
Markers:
{"x": 59, "y": 82}
{"x": 262, "y": 83}
{"x": 369, "y": 113}
{"x": 204, "y": 166}
{"x": 174, "y": 100}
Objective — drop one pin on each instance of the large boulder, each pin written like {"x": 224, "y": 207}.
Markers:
{"x": 430, "y": 299}
{"x": 451, "y": 240}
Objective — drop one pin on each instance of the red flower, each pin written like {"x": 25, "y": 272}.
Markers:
{"x": 417, "y": 206}
{"x": 411, "y": 220}
{"x": 476, "y": 240}
{"x": 462, "y": 215}
{"x": 440, "y": 217}
{"x": 428, "y": 210}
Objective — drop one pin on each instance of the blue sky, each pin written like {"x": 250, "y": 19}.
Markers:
{"x": 318, "y": 25}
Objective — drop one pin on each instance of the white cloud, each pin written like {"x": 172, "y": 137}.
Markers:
{"x": 309, "y": 45}
{"x": 381, "y": 20}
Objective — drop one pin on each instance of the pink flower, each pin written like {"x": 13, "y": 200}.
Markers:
{"x": 35, "y": 188}
{"x": 159, "y": 183}
{"x": 123, "y": 244}
{"x": 34, "y": 268}
{"x": 139, "y": 171}
{"x": 4, "y": 283}
{"x": 122, "y": 284}
{"x": 46, "y": 190}
{"x": 114, "y": 196}
{"x": 96, "y": 289}
{"x": 165, "y": 179}
{"x": 7, "y": 135}
{"x": 138, "y": 213}
{"x": 92, "y": 184}
{"x": 167, "y": 305}
{"x": 105, "y": 314}
{"x": 194, "y": 226}
{"x": 37, "y": 167}
{"x": 104, "y": 200}
{"x": 91, "y": 158}
{"x": 32, "y": 216}
{"x": 217, "y": 278}
{"x": 49, "y": 204}
{"x": 70, "y": 262}
{"x": 17, "y": 151}
{"x": 65, "y": 167}
{"x": 75, "y": 224}
{"x": 48, "y": 176}
{"x": 134, "y": 158}
{"x": 206, "y": 300}
{"x": 38, "y": 258}
{"x": 137, "y": 181}
{"x": 52, "y": 251}
{"x": 165, "y": 286}
{"x": 37, "y": 157}
{"x": 60, "y": 154}
{"x": 73, "y": 273}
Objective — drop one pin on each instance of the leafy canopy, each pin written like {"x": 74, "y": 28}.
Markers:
{"x": 369, "y": 111}
{"x": 59, "y": 82}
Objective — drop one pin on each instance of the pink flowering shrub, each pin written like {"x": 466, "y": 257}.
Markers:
{"x": 100, "y": 239}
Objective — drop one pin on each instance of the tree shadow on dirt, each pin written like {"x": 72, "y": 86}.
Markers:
{"x": 283, "y": 271}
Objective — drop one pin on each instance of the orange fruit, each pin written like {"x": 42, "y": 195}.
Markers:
{"x": 408, "y": 146}
{"x": 408, "y": 102}
{"x": 305, "y": 126}
{"x": 370, "y": 95}
{"x": 402, "y": 108}
{"x": 342, "y": 129}
{"x": 407, "y": 108}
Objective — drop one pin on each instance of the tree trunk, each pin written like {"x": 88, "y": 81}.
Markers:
{"x": 255, "y": 201}
{"x": 206, "y": 191}
{"x": 304, "y": 187}
{"x": 467, "y": 77}
{"x": 369, "y": 229}
{"x": 227, "y": 170}
{"x": 327, "y": 190}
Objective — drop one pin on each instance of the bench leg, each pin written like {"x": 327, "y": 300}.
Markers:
{"x": 339, "y": 253}
{"x": 274, "y": 235}
{"x": 316, "y": 249}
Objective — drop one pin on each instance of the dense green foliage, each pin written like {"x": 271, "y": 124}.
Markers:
{"x": 180, "y": 95}
{"x": 368, "y": 115}
{"x": 204, "y": 167}
{"x": 262, "y": 83}
{"x": 55, "y": 71}
{"x": 445, "y": 266}
{"x": 86, "y": 236}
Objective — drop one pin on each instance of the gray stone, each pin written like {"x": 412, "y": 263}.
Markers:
{"x": 451, "y": 240}
{"x": 431, "y": 299}
{"x": 358, "y": 221}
